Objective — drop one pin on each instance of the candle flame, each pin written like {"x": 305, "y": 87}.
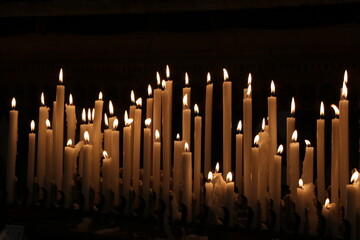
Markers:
{"x": 86, "y": 137}
{"x": 354, "y": 176}
{"x": 239, "y": 126}
{"x": 163, "y": 84}
{"x": 345, "y": 77}
{"x": 111, "y": 108}
{"x": 263, "y": 124}
{"x": 217, "y": 167}
{"x": 226, "y": 75}
{"x": 167, "y": 72}
{"x": 294, "y": 136}
{"x": 336, "y": 110}
{"x": 256, "y": 140}
{"x": 148, "y": 122}
{"x": 126, "y": 117}
{"x": 196, "y": 109}
{"x": 208, "y": 78}
{"x": 105, "y": 154}
{"x": 210, "y": 176}
{"x": 292, "y": 106}
{"x": 186, "y": 147}
{"x": 13, "y": 103}
{"x": 344, "y": 91}
{"x": 61, "y": 76}
{"x": 272, "y": 86}
{"x": 185, "y": 101}
{"x": 115, "y": 124}
{"x": 32, "y": 125}
{"x": 248, "y": 93}
{"x": 157, "y": 135}
{"x": 158, "y": 78}
{"x": 89, "y": 115}
{"x": 139, "y": 102}
{"x": 327, "y": 202}
{"x": 178, "y": 136}
{"x": 186, "y": 79}
{"x": 106, "y": 120}
{"x": 93, "y": 114}
{"x": 322, "y": 109}
{"x": 132, "y": 97}
{"x": 100, "y": 95}
{"x": 69, "y": 143}
{"x": 229, "y": 177}
{"x": 249, "y": 79}
{"x": 48, "y": 124}
{"x": 307, "y": 142}
{"x": 301, "y": 183}
{"x": 42, "y": 98}
{"x": 149, "y": 91}
{"x": 70, "y": 99}
{"x": 280, "y": 149}
{"x": 83, "y": 115}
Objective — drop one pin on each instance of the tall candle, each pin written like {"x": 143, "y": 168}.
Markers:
{"x": 149, "y": 103}
{"x": 209, "y": 188}
{"x": 166, "y": 143}
{"x": 186, "y": 121}
{"x": 111, "y": 112}
{"x": 247, "y": 114}
{"x": 49, "y": 174}
{"x": 12, "y": 152}
{"x": 227, "y": 123}
{"x": 147, "y": 165}
{"x": 59, "y": 132}
{"x": 156, "y": 163}
{"x": 320, "y": 155}
{"x": 68, "y": 181}
{"x": 300, "y": 204}
{"x": 71, "y": 119}
{"x": 335, "y": 155}
{"x": 254, "y": 173}
{"x": 187, "y": 90}
{"x": 31, "y": 163}
{"x": 294, "y": 163}
{"x": 351, "y": 212}
{"x": 308, "y": 165}
{"x": 187, "y": 181}
{"x": 178, "y": 149}
{"x": 83, "y": 128}
{"x": 329, "y": 212}
{"x": 277, "y": 186}
{"x": 197, "y": 158}
{"x": 263, "y": 171}
{"x": 239, "y": 158}
{"x": 272, "y": 112}
{"x": 41, "y": 145}
{"x": 86, "y": 179}
{"x": 127, "y": 160}
{"x": 290, "y": 128}
{"x": 157, "y": 109}
{"x": 133, "y": 105}
{"x": 208, "y": 124}
{"x": 107, "y": 180}
{"x": 115, "y": 161}
{"x": 136, "y": 146}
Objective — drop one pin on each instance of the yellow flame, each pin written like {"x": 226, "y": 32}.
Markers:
{"x": 167, "y": 72}
{"x": 89, "y": 114}
{"x": 294, "y": 136}
{"x": 327, "y": 202}
{"x": 32, "y": 125}
{"x": 229, "y": 177}
{"x": 111, "y": 108}
{"x": 186, "y": 79}
{"x": 239, "y": 126}
{"x": 106, "y": 120}
{"x": 148, "y": 122}
{"x": 69, "y": 143}
{"x": 48, "y": 124}
{"x": 115, "y": 123}
{"x": 186, "y": 147}
{"x": 163, "y": 84}
{"x": 248, "y": 93}
{"x": 301, "y": 183}
{"x": 196, "y": 109}
{"x": 217, "y": 167}
{"x": 292, "y": 106}
{"x": 263, "y": 124}
{"x": 249, "y": 81}
{"x": 354, "y": 176}
{"x": 83, "y": 115}
{"x": 272, "y": 87}
{"x": 139, "y": 102}
{"x": 226, "y": 75}
{"x": 70, "y": 99}
{"x": 210, "y": 176}
{"x": 345, "y": 77}
{"x": 13, "y": 103}
{"x": 178, "y": 136}
{"x": 185, "y": 101}
{"x": 158, "y": 78}
{"x": 336, "y": 109}
{"x": 105, "y": 154}
{"x": 344, "y": 91}
{"x": 61, "y": 75}
{"x": 208, "y": 78}
{"x": 307, "y": 142}
{"x": 126, "y": 117}
{"x": 42, "y": 98}
{"x": 93, "y": 114}
{"x": 256, "y": 139}
{"x": 86, "y": 136}
{"x": 149, "y": 90}
{"x": 132, "y": 96}
{"x": 322, "y": 109}
{"x": 280, "y": 149}
{"x": 100, "y": 95}
{"x": 157, "y": 135}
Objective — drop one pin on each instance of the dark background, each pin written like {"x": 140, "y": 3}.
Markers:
{"x": 117, "y": 46}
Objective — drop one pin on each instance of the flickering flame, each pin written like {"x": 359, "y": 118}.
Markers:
{"x": 344, "y": 91}
{"x": 178, "y": 136}
{"x": 100, "y": 95}
{"x": 336, "y": 110}
{"x": 272, "y": 86}
{"x": 354, "y": 176}
{"x": 185, "y": 101}
{"x": 158, "y": 79}
{"x": 149, "y": 91}
{"x": 226, "y": 75}
{"x": 167, "y": 72}
{"x": 196, "y": 109}
{"x": 13, "y": 103}
{"x": 280, "y": 149}
{"x": 111, "y": 108}
{"x": 83, "y": 115}
{"x": 93, "y": 114}
{"x": 61, "y": 76}
{"x": 210, "y": 176}
{"x": 157, "y": 135}
{"x": 106, "y": 120}
{"x": 69, "y": 143}
{"x": 115, "y": 123}
{"x": 48, "y": 124}
{"x": 322, "y": 109}
{"x": 132, "y": 97}
{"x": 327, "y": 202}
{"x": 217, "y": 167}
{"x": 256, "y": 140}
{"x": 70, "y": 99}
{"x": 248, "y": 93}
{"x": 292, "y": 106}
{"x": 89, "y": 114}
{"x": 345, "y": 77}
{"x": 32, "y": 125}
{"x": 163, "y": 84}
{"x": 139, "y": 102}
{"x": 229, "y": 177}
{"x": 148, "y": 122}
{"x": 126, "y": 117}
{"x": 239, "y": 126}
{"x": 105, "y": 154}
{"x": 263, "y": 124}
{"x": 186, "y": 147}
{"x": 294, "y": 136}
{"x": 301, "y": 183}
{"x": 208, "y": 78}
{"x": 249, "y": 79}
{"x": 307, "y": 142}
{"x": 86, "y": 137}
{"x": 186, "y": 79}
{"x": 42, "y": 99}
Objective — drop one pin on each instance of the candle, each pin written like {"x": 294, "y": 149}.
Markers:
{"x": 136, "y": 146}
{"x": 187, "y": 181}
{"x": 254, "y": 173}
{"x": 69, "y": 159}
{"x": 133, "y": 105}
{"x": 229, "y": 192}
{"x": 59, "y": 132}
{"x": 290, "y": 128}
{"x": 156, "y": 163}
{"x": 90, "y": 125}
{"x": 71, "y": 119}
{"x": 209, "y": 188}
{"x": 83, "y": 128}
{"x": 351, "y": 211}
{"x": 31, "y": 163}
{"x": 12, "y": 152}
{"x": 86, "y": 179}
{"x": 308, "y": 165}
{"x": 329, "y": 211}
{"x": 239, "y": 158}
{"x": 178, "y": 149}
{"x": 41, "y": 145}
{"x": 147, "y": 165}
{"x": 263, "y": 171}
{"x": 187, "y": 90}
{"x": 335, "y": 156}
{"x": 127, "y": 160}
{"x": 277, "y": 185}
{"x": 107, "y": 180}
{"x": 272, "y": 112}
{"x": 320, "y": 155}
{"x": 115, "y": 161}
{"x": 208, "y": 123}
{"x": 149, "y": 104}
{"x": 111, "y": 112}
{"x": 49, "y": 174}
{"x": 107, "y": 136}
{"x": 227, "y": 123}
{"x": 294, "y": 163}
{"x": 300, "y": 204}
{"x": 197, "y": 158}
{"x": 157, "y": 108}
{"x": 247, "y": 114}
{"x": 186, "y": 121}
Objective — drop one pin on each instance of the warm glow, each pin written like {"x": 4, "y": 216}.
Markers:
{"x": 248, "y": 93}
{"x": 239, "y": 126}
{"x": 226, "y": 75}
{"x": 263, "y": 124}
{"x": 32, "y": 125}
{"x": 89, "y": 114}
{"x": 70, "y": 99}
{"x": 301, "y": 183}
{"x": 132, "y": 97}
{"x": 13, "y": 103}
{"x": 86, "y": 137}
{"x": 126, "y": 117}
{"x": 42, "y": 99}
{"x": 292, "y": 106}
{"x": 208, "y": 78}
{"x": 185, "y": 101}
{"x": 149, "y": 91}
{"x": 61, "y": 76}
{"x": 345, "y": 77}
{"x": 115, "y": 123}
{"x": 93, "y": 114}
{"x": 327, "y": 202}
{"x": 100, "y": 96}
{"x": 105, "y": 154}
{"x": 163, "y": 84}
{"x": 256, "y": 140}
{"x": 280, "y": 149}
{"x": 178, "y": 136}
{"x": 249, "y": 79}
{"x": 48, "y": 124}
{"x": 186, "y": 79}
{"x": 158, "y": 81}
{"x": 167, "y": 72}
{"x": 69, "y": 143}
{"x": 217, "y": 167}
{"x": 307, "y": 142}
{"x": 210, "y": 176}
{"x": 336, "y": 110}
{"x": 229, "y": 177}
{"x": 344, "y": 91}
{"x": 83, "y": 115}
{"x": 106, "y": 120}
{"x": 196, "y": 109}
{"x": 148, "y": 122}
{"x": 272, "y": 86}
{"x": 139, "y": 102}
{"x": 294, "y": 136}
{"x": 186, "y": 147}
{"x": 322, "y": 109}
{"x": 157, "y": 135}
{"x": 111, "y": 108}
{"x": 354, "y": 176}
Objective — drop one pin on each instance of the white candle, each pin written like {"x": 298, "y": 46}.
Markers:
{"x": 186, "y": 121}
{"x": 294, "y": 164}
{"x": 71, "y": 119}
{"x": 187, "y": 181}
{"x": 177, "y": 179}
{"x": 107, "y": 180}
{"x": 227, "y": 123}
{"x": 12, "y": 152}
{"x": 133, "y": 105}
{"x": 320, "y": 155}
{"x": 277, "y": 186}
{"x": 187, "y": 90}
{"x": 351, "y": 211}
{"x": 329, "y": 211}
{"x": 41, "y": 145}
{"x": 263, "y": 171}
{"x": 107, "y": 136}
{"x": 209, "y": 188}
{"x": 208, "y": 123}
{"x": 111, "y": 112}
{"x": 49, "y": 174}
{"x": 229, "y": 192}
{"x": 239, "y": 158}
{"x": 68, "y": 180}
{"x": 156, "y": 164}
{"x": 157, "y": 109}
{"x": 127, "y": 160}
{"x": 31, "y": 163}
{"x": 147, "y": 165}
{"x": 308, "y": 165}
{"x": 290, "y": 128}
{"x": 254, "y": 173}
{"x": 149, "y": 104}
{"x": 86, "y": 179}
{"x": 115, "y": 161}
{"x": 272, "y": 112}
{"x": 300, "y": 204}
{"x": 247, "y": 114}
{"x": 197, "y": 158}
{"x": 335, "y": 156}
{"x": 136, "y": 146}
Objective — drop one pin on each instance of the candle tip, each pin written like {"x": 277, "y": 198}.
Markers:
{"x": 272, "y": 86}
{"x": 229, "y": 177}
{"x": 115, "y": 124}
{"x": 322, "y": 109}
{"x": 167, "y": 72}
{"x": 185, "y": 101}
{"x": 256, "y": 140}
{"x": 301, "y": 183}
{"x": 69, "y": 143}
{"x": 210, "y": 176}
{"x": 149, "y": 91}
{"x": 158, "y": 79}
{"x": 280, "y": 149}
{"x": 208, "y": 78}
{"x": 217, "y": 167}
{"x": 139, "y": 102}
{"x": 48, "y": 124}
{"x": 86, "y": 137}
{"x": 13, "y": 103}
{"x": 111, "y": 108}
{"x": 70, "y": 99}
{"x": 105, "y": 154}
{"x": 61, "y": 76}
{"x": 292, "y": 106}
{"x": 196, "y": 109}
{"x": 336, "y": 110}
{"x": 163, "y": 84}
{"x": 294, "y": 136}
{"x": 186, "y": 79}
{"x": 100, "y": 95}
{"x": 307, "y": 142}
{"x": 32, "y": 125}
{"x": 249, "y": 81}
{"x": 157, "y": 135}
{"x": 178, "y": 136}
{"x": 132, "y": 97}
{"x": 148, "y": 122}
{"x": 186, "y": 147}
{"x": 239, "y": 126}
{"x": 226, "y": 75}
{"x": 42, "y": 98}
{"x": 354, "y": 176}
{"x": 106, "y": 120}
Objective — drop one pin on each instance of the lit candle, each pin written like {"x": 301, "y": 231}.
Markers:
{"x": 208, "y": 123}
{"x": 41, "y": 138}
{"x": 294, "y": 163}
{"x": 229, "y": 192}
{"x": 187, "y": 90}
{"x": 149, "y": 104}
{"x": 209, "y": 188}
{"x": 351, "y": 211}
{"x": 31, "y": 163}
{"x": 83, "y": 128}
{"x": 320, "y": 154}
{"x": 247, "y": 114}
{"x": 227, "y": 123}
{"x": 239, "y": 158}
{"x": 335, "y": 155}
{"x": 272, "y": 112}
{"x": 254, "y": 172}
{"x": 263, "y": 171}
{"x": 71, "y": 119}
{"x": 197, "y": 158}
{"x": 107, "y": 136}
{"x": 147, "y": 165}
{"x": 178, "y": 149}
{"x": 12, "y": 151}
{"x": 156, "y": 163}
{"x": 133, "y": 105}
{"x": 277, "y": 185}
{"x": 107, "y": 180}
{"x": 308, "y": 165}
{"x": 290, "y": 128}
{"x": 186, "y": 121}
{"x": 69, "y": 159}
{"x": 300, "y": 204}
{"x": 157, "y": 108}
{"x": 136, "y": 147}
{"x": 115, "y": 161}
{"x": 111, "y": 112}
{"x": 86, "y": 179}
{"x": 49, "y": 174}
{"x": 329, "y": 211}
{"x": 90, "y": 125}
{"x": 127, "y": 159}
{"x": 187, "y": 181}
